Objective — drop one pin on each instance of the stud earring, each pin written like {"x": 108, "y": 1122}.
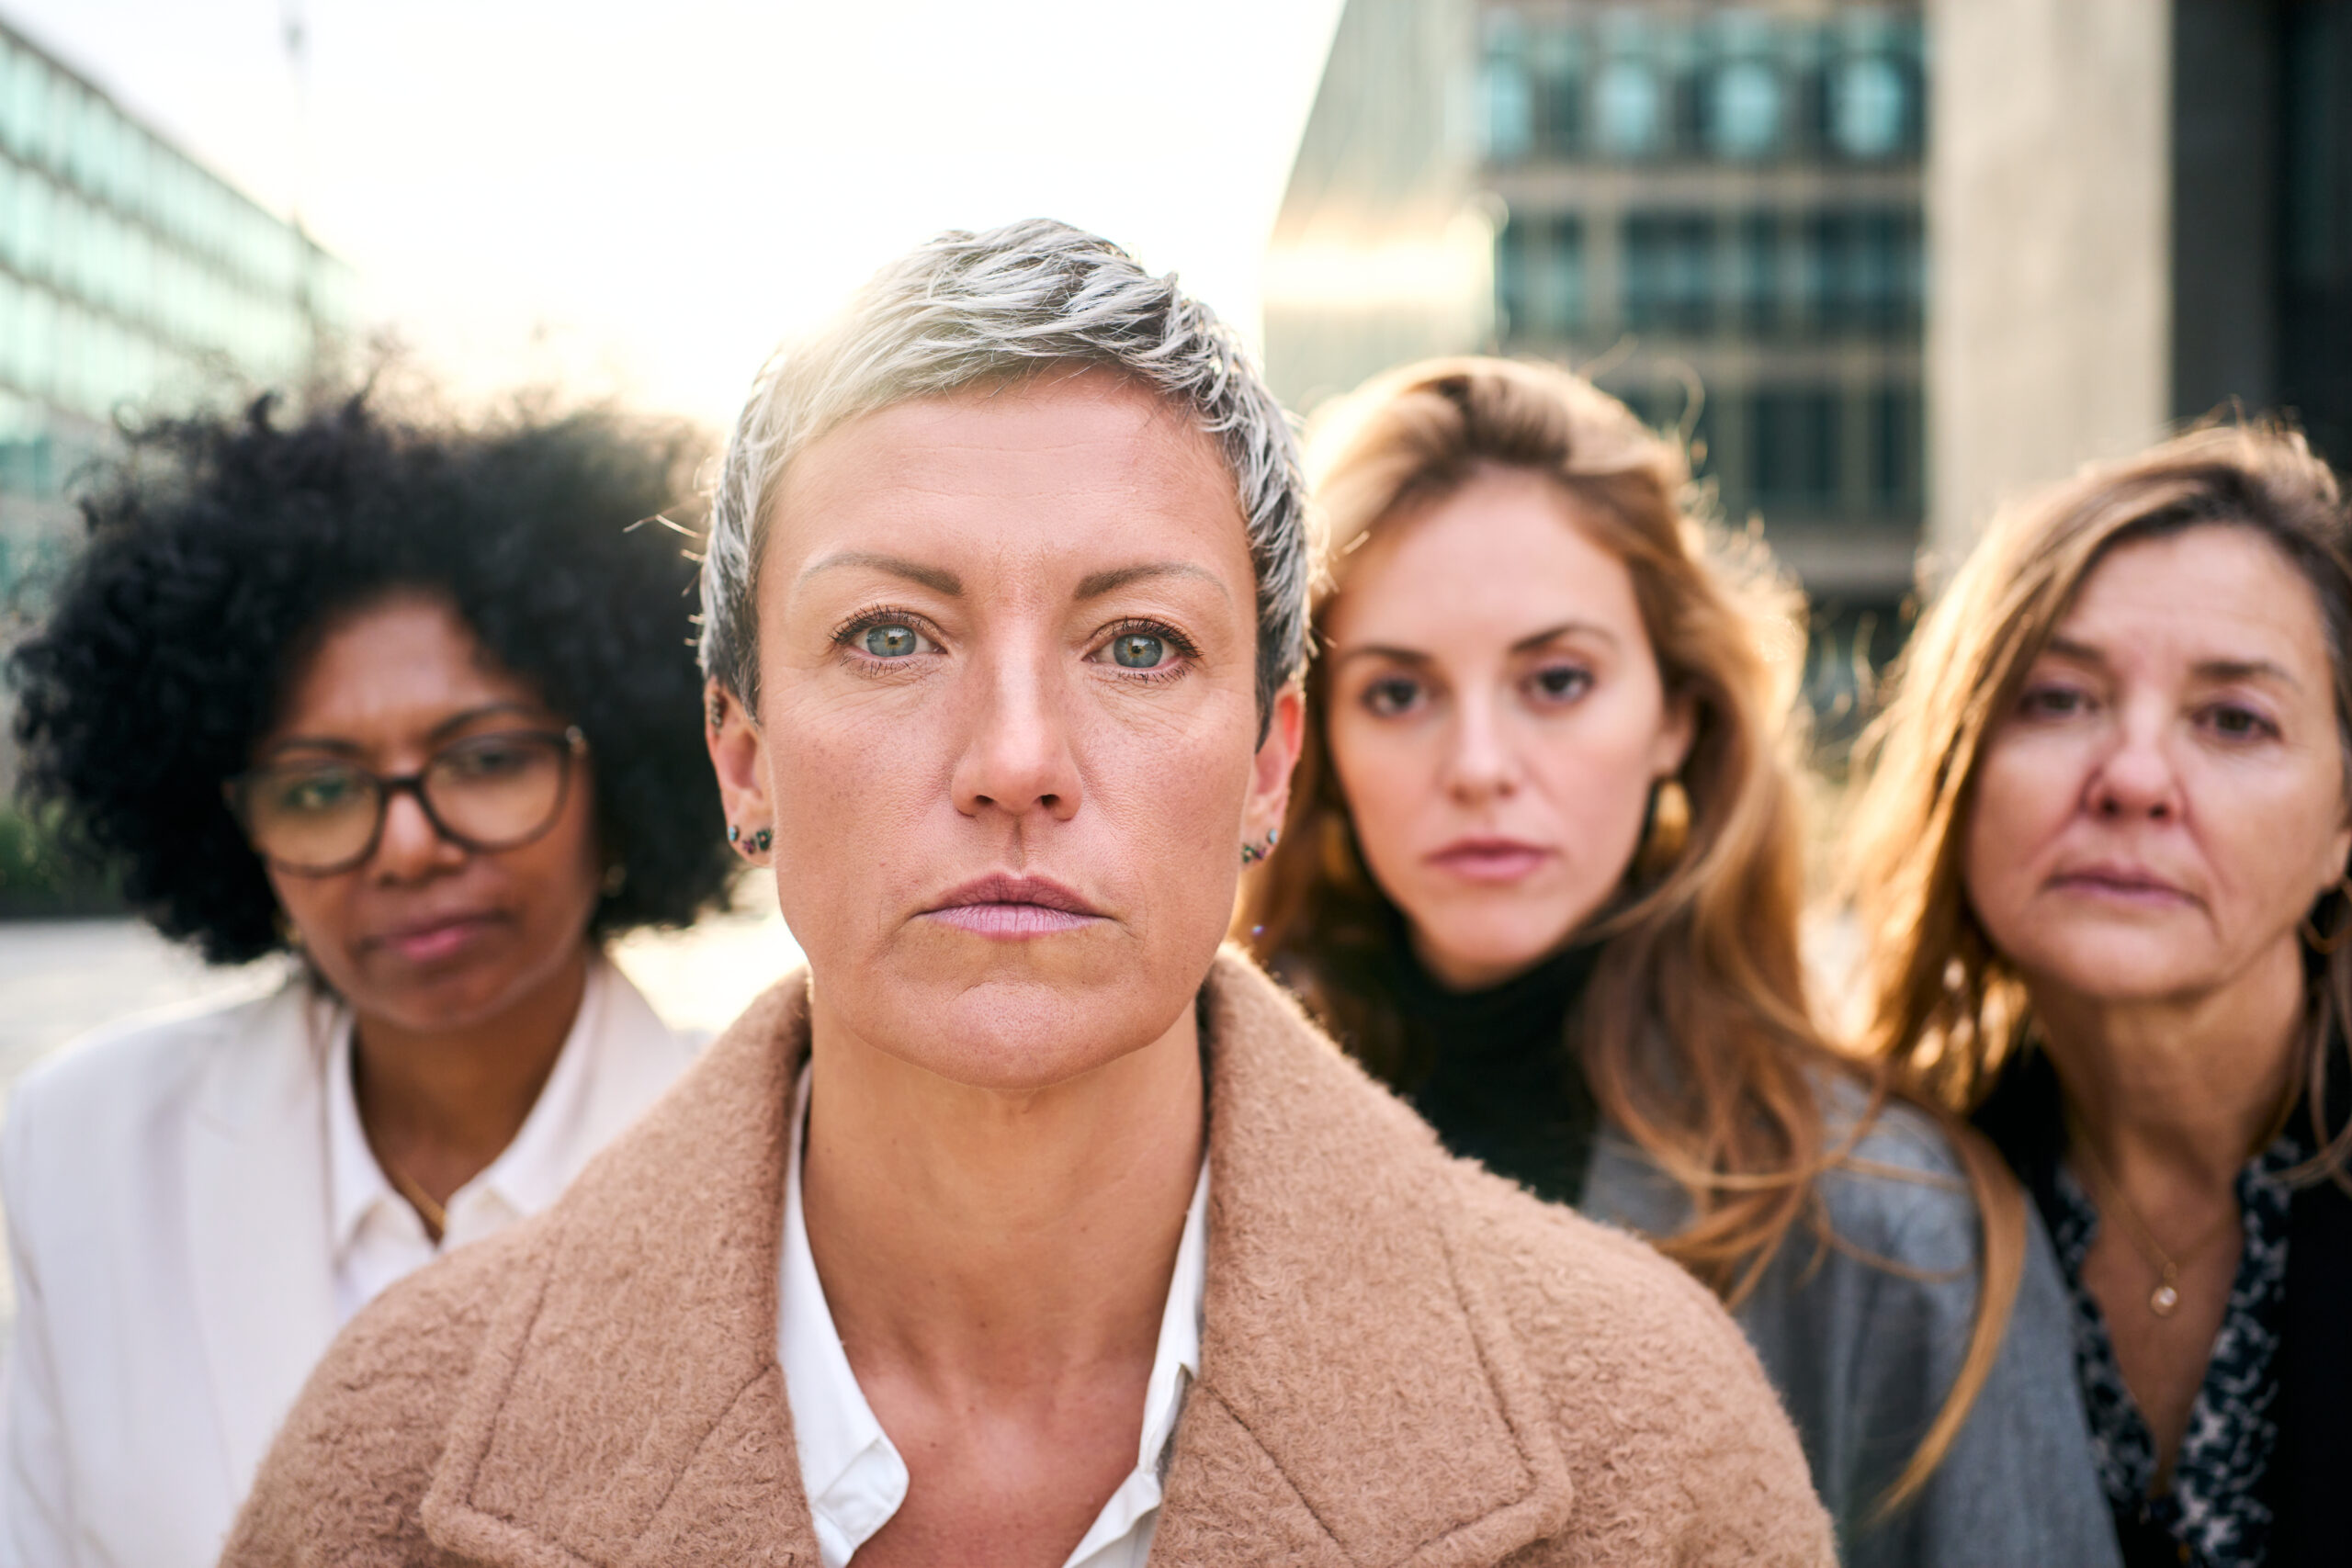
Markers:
{"x": 734, "y": 833}
{"x": 762, "y": 840}
{"x": 1252, "y": 854}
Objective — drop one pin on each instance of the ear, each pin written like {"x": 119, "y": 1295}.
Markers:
{"x": 739, "y": 757}
{"x": 2338, "y": 861}
{"x": 1678, "y": 727}
{"x": 1270, "y": 770}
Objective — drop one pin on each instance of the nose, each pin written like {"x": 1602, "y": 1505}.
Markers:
{"x": 410, "y": 848}
{"x": 1018, "y": 757}
{"x": 2135, "y": 778}
{"x": 1480, "y": 765}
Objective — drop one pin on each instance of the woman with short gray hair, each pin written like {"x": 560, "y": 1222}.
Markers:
{"x": 1025, "y": 1225}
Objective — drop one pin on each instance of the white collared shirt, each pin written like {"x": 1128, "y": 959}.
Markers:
{"x": 849, "y": 1469}
{"x": 377, "y": 1238}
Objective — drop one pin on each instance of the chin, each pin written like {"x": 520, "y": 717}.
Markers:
{"x": 2124, "y": 967}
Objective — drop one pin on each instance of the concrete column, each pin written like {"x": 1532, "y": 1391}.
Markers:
{"x": 2049, "y": 224}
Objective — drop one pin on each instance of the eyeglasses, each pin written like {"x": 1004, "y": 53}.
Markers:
{"x": 486, "y": 794}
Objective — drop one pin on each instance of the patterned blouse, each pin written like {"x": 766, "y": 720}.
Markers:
{"x": 2216, "y": 1514}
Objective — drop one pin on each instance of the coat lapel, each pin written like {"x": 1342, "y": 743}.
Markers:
{"x": 257, "y": 1223}
{"x": 1361, "y": 1400}
{"x": 626, "y": 1405}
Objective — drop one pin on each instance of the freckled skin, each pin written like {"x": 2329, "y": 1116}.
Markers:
{"x": 1003, "y": 1135}
{"x": 1556, "y": 744}
{"x": 1012, "y": 740}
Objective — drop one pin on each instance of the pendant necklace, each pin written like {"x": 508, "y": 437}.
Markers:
{"x": 2164, "y": 1299}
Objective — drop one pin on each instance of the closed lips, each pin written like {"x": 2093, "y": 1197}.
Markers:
{"x": 1015, "y": 907}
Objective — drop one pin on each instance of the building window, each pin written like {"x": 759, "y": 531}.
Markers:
{"x": 1511, "y": 278}
{"x": 1796, "y": 449}
{"x": 1507, "y": 95}
{"x": 1759, "y": 273}
{"x": 1863, "y": 271}
{"x": 1896, "y": 449}
{"x": 1561, "y": 295}
{"x": 1670, "y": 272}
{"x": 1558, "y": 69}
{"x": 1871, "y": 106}
{"x": 1629, "y": 100}
{"x": 1744, "y": 110}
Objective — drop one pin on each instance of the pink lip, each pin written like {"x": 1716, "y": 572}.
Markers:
{"x": 2119, "y": 884}
{"x": 1015, "y": 909}
{"x": 438, "y": 941}
{"x": 1490, "y": 858}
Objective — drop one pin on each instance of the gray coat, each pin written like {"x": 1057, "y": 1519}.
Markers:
{"x": 1862, "y": 1356}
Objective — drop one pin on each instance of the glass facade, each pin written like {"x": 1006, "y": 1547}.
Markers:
{"x": 1720, "y": 207}
{"x": 128, "y": 275}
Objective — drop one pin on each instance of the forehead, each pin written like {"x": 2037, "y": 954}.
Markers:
{"x": 1064, "y": 467}
{"x": 1505, "y": 554}
{"x": 408, "y": 655}
{"x": 2219, "y": 592}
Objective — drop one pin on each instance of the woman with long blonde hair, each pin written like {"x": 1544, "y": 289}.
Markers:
{"x": 1543, "y": 874}
{"x": 2104, "y": 855}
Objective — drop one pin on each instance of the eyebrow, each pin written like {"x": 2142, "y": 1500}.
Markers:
{"x": 1527, "y": 644}
{"x": 446, "y": 727}
{"x": 1097, "y": 585}
{"x": 2222, "y": 670}
{"x": 933, "y": 578}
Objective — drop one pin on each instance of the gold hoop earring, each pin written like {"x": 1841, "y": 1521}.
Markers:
{"x": 2325, "y": 945}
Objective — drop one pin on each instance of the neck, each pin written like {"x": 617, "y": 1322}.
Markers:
{"x": 439, "y": 1105}
{"x": 992, "y": 1242}
{"x": 2182, "y": 1090}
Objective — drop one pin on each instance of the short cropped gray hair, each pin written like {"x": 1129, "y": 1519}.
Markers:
{"x": 974, "y": 309}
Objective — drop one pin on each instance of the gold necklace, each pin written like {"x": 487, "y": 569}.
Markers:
{"x": 436, "y": 1217}
{"x": 2165, "y": 1300}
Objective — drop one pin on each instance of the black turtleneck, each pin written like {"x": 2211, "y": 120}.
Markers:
{"x": 1504, "y": 1086}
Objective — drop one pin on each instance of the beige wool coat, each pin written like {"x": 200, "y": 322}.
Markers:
{"x": 1403, "y": 1360}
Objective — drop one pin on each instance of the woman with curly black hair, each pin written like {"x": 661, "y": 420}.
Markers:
{"x": 416, "y": 702}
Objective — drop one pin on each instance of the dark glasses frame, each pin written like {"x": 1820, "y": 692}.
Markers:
{"x": 572, "y": 744}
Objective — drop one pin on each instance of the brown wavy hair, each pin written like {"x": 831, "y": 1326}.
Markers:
{"x": 1694, "y": 1032}
{"x": 1948, "y": 1014}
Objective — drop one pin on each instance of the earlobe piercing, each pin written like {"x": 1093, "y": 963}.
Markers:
{"x": 734, "y": 834}
{"x": 1252, "y": 854}
{"x": 762, "y": 840}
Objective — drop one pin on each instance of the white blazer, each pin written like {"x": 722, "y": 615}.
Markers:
{"x": 167, "y": 1189}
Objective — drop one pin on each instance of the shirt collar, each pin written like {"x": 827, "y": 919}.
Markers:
{"x": 528, "y": 1175}
{"x": 851, "y": 1473}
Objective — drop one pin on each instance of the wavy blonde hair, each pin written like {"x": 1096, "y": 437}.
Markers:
{"x": 1947, "y": 1013}
{"x": 1695, "y": 1033}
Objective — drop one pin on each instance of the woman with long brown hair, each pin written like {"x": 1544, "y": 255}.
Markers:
{"x": 2104, "y": 855}
{"x": 1543, "y": 874}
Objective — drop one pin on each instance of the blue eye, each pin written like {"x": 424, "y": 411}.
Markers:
{"x": 891, "y": 640}
{"x": 1139, "y": 651}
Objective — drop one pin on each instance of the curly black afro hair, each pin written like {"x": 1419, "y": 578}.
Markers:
{"x": 220, "y": 547}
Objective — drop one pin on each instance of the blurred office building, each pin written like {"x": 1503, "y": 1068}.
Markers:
{"x": 2141, "y": 210}
{"x": 1716, "y": 211}
{"x": 2134, "y": 212}
{"x": 131, "y": 276}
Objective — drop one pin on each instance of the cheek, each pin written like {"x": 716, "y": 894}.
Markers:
{"x": 1389, "y": 775}
{"x": 2024, "y": 795}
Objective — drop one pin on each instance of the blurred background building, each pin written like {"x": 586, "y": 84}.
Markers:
{"x": 130, "y": 276}
{"x": 2133, "y": 211}
{"x": 2140, "y": 211}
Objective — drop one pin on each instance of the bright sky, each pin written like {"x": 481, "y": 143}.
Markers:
{"x": 643, "y": 199}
